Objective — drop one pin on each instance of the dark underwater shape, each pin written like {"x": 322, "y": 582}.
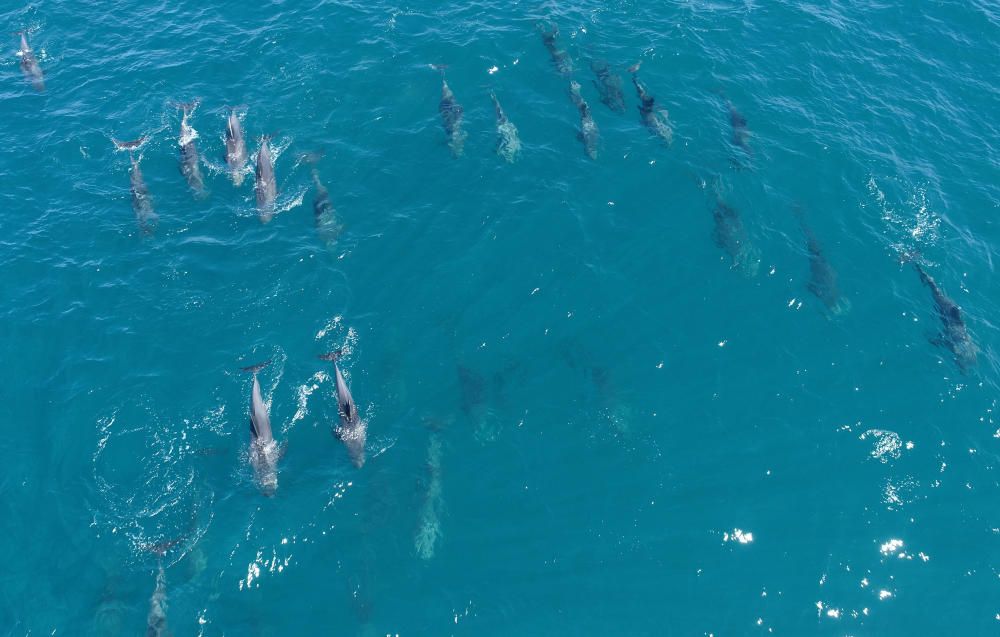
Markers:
{"x": 954, "y": 335}
{"x": 731, "y": 235}
{"x": 822, "y": 277}
{"x": 609, "y": 85}
{"x": 327, "y": 226}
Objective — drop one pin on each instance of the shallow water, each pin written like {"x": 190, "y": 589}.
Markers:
{"x": 601, "y": 426}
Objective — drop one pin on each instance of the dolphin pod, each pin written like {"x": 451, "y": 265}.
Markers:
{"x": 352, "y": 430}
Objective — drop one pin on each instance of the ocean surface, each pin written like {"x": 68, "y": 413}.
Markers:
{"x": 685, "y": 388}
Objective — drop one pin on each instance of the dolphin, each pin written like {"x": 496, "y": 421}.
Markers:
{"x": 29, "y": 64}
{"x": 822, "y": 276}
{"x": 156, "y": 619}
{"x": 142, "y": 203}
{"x": 731, "y": 236}
{"x": 429, "y": 525}
{"x": 564, "y": 64}
{"x": 353, "y": 431}
{"x": 189, "y": 152}
{"x": 266, "y": 188}
{"x": 451, "y": 115}
{"x": 954, "y": 335}
{"x": 327, "y": 226}
{"x": 741, "y": 133}
{"x": 264, "y": 451}
{"x": 508, "y": 141}
{"x": 588, "y": 134}
{"x": 609, "y": 84}
{"x": 656, "y": 120}
{"x": 236, "y": 148}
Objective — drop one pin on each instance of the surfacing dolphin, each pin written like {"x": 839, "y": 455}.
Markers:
{"x": 265, "y": 186}
{"x": 656, "y": 120}
{"x": 954, "y": 335}
{"x": 588, "y": 134}
{"x": 352, "y": 431}
{"x": 190, "y": 167}
{"x": 731, "y": 236}
{"x": 156, "y": 619}
{"x": 564, "y": 64}
{"x": 29, "y": 64}
{"x": 142, "y": 203}
{"x": 609, "y": 85}
{"x": 264, "y": 451}
{"x": 236, "y": 148}
{"x": 822, "y": 276}
{"x": 451, "y": 116}
{"x": 508, "y": 141}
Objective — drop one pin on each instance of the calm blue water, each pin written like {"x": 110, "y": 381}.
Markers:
{"x": 581, "y": 419}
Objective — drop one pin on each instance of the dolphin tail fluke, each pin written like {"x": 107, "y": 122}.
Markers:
{"x": 440, "y": 68}
{"x": 312, "y": 157}
{"x": 333, "y": 356}
{"x": 253, "y": 369}
{"x": 635, "y": 67}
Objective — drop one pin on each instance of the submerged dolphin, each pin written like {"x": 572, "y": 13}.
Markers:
{"x": 265, "y": 186}
{"x": 190, "y": 167}
{"x": 264, "y": 451}
{"x": 741, "y": 132}
{"x": 559, "y": 56}
{"x": 236, "y": 149}
{"x": 609, "y": 85}
{"x": 451, "y": 116}
{"x": 588, "y": 134}
{"x": 822, "y": 276}
{"x": 327, "y": 226}
{"x": 352, "y": 430}
{"x": 954, "y": 335}
{"x": 429, "y": 523}
{"x": 508, "y": 141}
{"x": 731, "y": 236}
{"x": 156, "y": 619}
{"x": 142, "y": 203}
{"x": 29, "y": 64}
{"x": 656, "y": 120}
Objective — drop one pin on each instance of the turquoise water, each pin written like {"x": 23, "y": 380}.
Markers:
{"x": 581, "y": 418}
